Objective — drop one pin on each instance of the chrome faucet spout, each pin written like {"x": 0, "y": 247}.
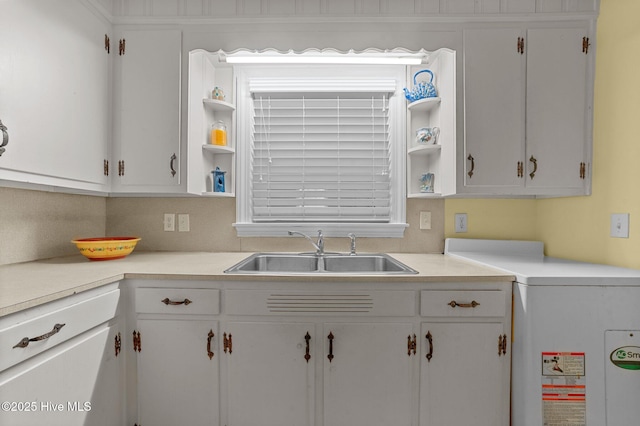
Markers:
{"x": 352, "y": 237}
{"x": 319, "y": 246}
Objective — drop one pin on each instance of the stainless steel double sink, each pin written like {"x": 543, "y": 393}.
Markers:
{"x": 312, "y": 263}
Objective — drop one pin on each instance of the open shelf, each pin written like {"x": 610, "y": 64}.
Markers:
{"x": 424, "y": 105}
{"x": 217, "y": 105}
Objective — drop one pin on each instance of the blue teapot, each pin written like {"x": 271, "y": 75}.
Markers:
{"x": 422, "y": 89}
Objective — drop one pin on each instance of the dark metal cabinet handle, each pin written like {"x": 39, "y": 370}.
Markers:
{"x": 430, "y": 340}
{"x": 330, "y": 356}
{"x": 171, "y": 164}
{"x": 473, "y": 304}
{"x": 5, "y": 137}
{"x": 168, "y": 301}
{"x": 535, "y": 166}
{"x": 210, "y": 337}
{"x": 473, "y": 165}
{"x": 25, "y": 342}
{"x": 307, "y": 356}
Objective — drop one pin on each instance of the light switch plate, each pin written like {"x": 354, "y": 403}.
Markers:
{"x": 620, "y": 225}
{"x": 425, "y": 220}
{"x": 461, "y": 222}
{"x": 183, "y": 223}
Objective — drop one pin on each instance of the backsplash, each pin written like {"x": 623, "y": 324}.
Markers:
{"x": 211, "y": 229}
{"x": 39, "y": 225}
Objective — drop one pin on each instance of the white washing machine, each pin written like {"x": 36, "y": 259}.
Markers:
{"x": 576, "y": 335}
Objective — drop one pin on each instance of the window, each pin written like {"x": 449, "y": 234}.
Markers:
{"x": 321, "y": 150}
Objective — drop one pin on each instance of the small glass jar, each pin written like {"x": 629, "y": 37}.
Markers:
{"x": 219, "y": 134}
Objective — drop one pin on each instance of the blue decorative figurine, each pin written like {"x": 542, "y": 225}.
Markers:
{"x": 218, "y": 180}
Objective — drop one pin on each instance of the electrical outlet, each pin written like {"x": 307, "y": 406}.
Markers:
{"x": 425, "y": 220}
{"x": 620, "y": 225}
{"x": 169, "y": 222}
{"x": 183, "y": 223}
{"x": 461, "y": 222}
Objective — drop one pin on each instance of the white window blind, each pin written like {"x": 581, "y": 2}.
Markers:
{"x": 321, "y": 156}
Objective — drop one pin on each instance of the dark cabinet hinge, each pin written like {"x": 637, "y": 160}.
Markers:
{"x": 105, "y": 167}
{"x": 107, "y": 44}
{"x": 412, "y": 345}
{"x": 583, "y": 170}
{"x": 520, "y": 46}
{"x": 502, "y": 345}
{"x": 117, "y": 344}
{"x": 585, "y": 45}
{"x": 122, "y": 46}
{"x": 121, "y": 168}
{"x": 227, "y": 343}
{"x": 137, "y": 341}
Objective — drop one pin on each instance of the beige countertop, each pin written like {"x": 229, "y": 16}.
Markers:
{"x": 25, "y": 285}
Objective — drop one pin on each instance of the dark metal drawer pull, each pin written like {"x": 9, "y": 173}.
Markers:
{"x": 168, "y": 301}
{"x": 473, "y": 304}
{"x": 25, "y": 342}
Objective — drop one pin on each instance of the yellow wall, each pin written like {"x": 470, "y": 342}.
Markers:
{"x": 578, "y": 227}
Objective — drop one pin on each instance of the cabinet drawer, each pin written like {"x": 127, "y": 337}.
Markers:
{"x": 275, "y": 302}
{"x": 177, "y": 301}
{"x": 48, "y": 330}
{"x": 463, "y": 303}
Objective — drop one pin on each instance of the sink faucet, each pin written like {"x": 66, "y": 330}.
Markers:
{"x": 352, "y": 237}
{"x": 319, "y": 246}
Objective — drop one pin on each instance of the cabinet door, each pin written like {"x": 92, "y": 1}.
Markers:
{"x": 269, "y": 381}
{"x": 76, "y": 383}
{"x": 177, "y": 379}
{"x": 556, "y": 107}
{"x": 54, "y": 94}
{"x": 466, "y": 380}
{"x": 494, "y": 109}
{"x": 148, "y": 112}
{"x": 368, "y": 380}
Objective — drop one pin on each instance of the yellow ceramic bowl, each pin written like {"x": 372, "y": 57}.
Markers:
{"x": 106, "y": 248}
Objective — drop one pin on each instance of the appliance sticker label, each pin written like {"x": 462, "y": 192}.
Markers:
{"x": 564, "y": 400}
{"x": 627, "y": 357}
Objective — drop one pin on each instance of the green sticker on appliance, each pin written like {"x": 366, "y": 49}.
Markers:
{"x": 627, "y": 357}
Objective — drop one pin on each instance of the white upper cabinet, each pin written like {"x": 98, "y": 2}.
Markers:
{"x": 558, "y": 113}
{"x": 528, "y": 109}
{"x": 147, "y": 112}
{"x": 494, "y": 109}
{"x": 54, "y": 94}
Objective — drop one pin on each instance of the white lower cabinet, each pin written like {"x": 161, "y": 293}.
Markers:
{"x": 368, "y": 374}
{"x": 177, "y": 372}
{"x": 270, "y": 368}
{"x": 466, "y": 357}
{"x": 64, "y": 379}
{"x": 463, "y": 381}
{"x": 76, "y": 384}
{"x": 175, "y": 350}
